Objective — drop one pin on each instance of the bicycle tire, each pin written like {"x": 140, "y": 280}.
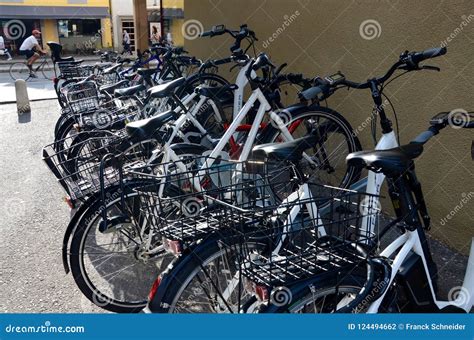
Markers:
{"x": 47, "y": 69}
{"x": 76, "y": 256}
{"x": 19, "y": 71}
{"x": 176, "y": 281}
{"x": 337, "y": 124}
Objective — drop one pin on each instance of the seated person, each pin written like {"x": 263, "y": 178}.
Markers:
{"x": 3, "y": 49}
{"x": 30, "y": 48}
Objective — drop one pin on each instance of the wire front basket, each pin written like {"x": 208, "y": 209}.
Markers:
{"x": 188, "y": 199}
{"x": 82, "y": 97}
{"x": 69, "y": 71}
{"x": 75, "y": 162}
{"x": 318, "y": 229}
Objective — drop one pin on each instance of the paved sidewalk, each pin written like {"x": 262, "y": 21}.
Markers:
{"x": 37, "y": 89}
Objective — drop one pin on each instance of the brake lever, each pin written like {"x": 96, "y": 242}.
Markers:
{"x": 431, "y": 68}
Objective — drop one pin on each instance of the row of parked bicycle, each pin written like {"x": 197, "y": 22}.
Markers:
{"x": 188, "y": 198}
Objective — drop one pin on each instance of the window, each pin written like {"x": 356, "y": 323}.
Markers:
{"x": 82, "y": 27}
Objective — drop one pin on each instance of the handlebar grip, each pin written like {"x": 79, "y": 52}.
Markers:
{"x": 206, "y": 34}
{"x": 423, "y": 137}
{"x": 434, "y": 52}
{"x": 428, "y": 54}
{"x": 311, "y": 93}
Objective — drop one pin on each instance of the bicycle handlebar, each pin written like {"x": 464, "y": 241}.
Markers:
{"x": 408, "y": 61}
{"x": 443, "y": 119}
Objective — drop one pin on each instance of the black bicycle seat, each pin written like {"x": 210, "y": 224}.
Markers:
{"x": 390, "y": 162}
{"x": 165, "y": 90}
{"x": 129, "y": 91}
{"x": 145, "y": 128}
{"x": 111, "y": 87}
{"x": 147, "y": 72}
{"x": 288, "y": 151}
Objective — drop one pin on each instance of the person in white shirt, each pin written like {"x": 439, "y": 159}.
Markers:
{"x": 3, "y": 49}
{"x": 126, "y": 42}
{"x": 31, "y": 49}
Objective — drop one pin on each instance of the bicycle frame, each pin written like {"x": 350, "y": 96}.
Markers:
{"x": 373, "y": 182}
{"x": 410, "y": 242}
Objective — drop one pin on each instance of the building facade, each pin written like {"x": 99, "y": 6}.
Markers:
{"x": 79, "y": 25}
{"x": 122, "y": 19}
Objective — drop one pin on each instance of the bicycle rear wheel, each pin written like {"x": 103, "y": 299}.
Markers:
{"x": 19, "y": 71}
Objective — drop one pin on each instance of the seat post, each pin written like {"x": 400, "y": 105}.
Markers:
{"x": 178, "y": 101}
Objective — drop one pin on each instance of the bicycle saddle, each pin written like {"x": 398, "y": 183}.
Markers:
{"x": 145, "y": 128}
{"x": 288, "y": 151}
{"x": 165, "y": 90}
{"x": 146, "y": 72}
{"x": 110, "y": 88}
{"x": 390, "y": 162}
{"x": 129, "y": 91}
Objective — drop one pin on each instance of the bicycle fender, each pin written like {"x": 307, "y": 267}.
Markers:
{"x": 71, "y": 227}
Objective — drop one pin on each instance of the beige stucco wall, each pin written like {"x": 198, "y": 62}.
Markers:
{"x": 323, "y": 37}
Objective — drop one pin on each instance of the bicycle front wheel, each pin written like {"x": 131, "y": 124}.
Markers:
{"x": 208, "y": 279}
{"x": 325, "y": 161}
{"x": 19, "y": 71}
{"x": 47, "y": 69}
